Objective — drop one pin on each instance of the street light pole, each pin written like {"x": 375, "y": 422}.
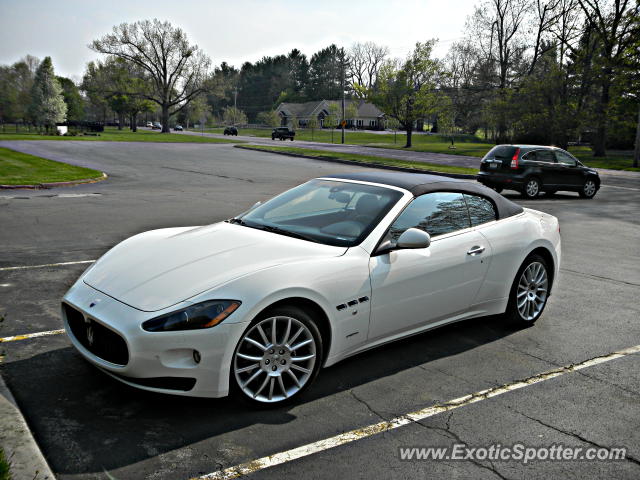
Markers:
{"x": 343, "y": 68}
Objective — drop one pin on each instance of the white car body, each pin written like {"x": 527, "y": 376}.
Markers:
{"x": 162, "y": 271}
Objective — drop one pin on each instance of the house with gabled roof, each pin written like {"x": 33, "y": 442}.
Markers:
{"x": 368, "y": 115}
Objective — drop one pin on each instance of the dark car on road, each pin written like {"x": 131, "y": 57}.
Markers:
{"x": 156, "y": 126}
{"x": 283, "y": 133}
{"x": 231, "y": 131}
{"x": 532, "y": 169}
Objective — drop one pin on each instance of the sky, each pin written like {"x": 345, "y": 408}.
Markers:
{"x": 234, "y": 31}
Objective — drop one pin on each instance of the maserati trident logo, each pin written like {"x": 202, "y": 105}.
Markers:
{"x": 90, "y": 334}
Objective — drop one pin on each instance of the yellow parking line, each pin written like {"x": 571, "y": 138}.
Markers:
{"x": 27, "y": 336}
{"x": 365, "y": 432}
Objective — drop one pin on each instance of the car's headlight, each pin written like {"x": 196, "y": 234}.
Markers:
{"x": 202, "y": 315}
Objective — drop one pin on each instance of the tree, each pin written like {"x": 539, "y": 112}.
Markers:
{"x": 47, "y": 104}
{"x": 234, "y": 116}
{"x": 312, "y": 123}
{"x": 326, "y": 72}
{"x": 407, "y": 90}
{"x": 176, "y": 69}
{"x": 195, "y": 111}
{"x": 351, "y": 112}
{"x": 616, "y": 27}
{"x": 331, "y": 120}
{"x": 270, "y": 118}
{"x": 73, "y": 99}
{"x": 393, "y": 124}
{"x": 294, "y": 124}
{"x": 365, "y": 60}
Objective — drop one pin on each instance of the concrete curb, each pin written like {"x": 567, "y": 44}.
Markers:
{"x": 362, "y": 164}
{"x": 56, "y": 184}
{"x": 20, "y": 448}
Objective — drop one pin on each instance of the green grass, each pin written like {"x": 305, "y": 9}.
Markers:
{"x": 466, "y": 145}
{"x": 112, "y": 134}
{"x": 322, "y": 154}
{"x": 17, "y": 168}
{"x": 5, "y": 474}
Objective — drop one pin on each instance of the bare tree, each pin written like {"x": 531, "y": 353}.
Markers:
{"x": 615, "y": 26}
{"x": 365, "y": 60}
{"x": 547, "y": 15}
{"x": 498, "y": 25}
{"x": 176, "y": 70}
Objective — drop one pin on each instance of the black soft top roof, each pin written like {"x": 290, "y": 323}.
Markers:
{"x": 420, "y": 183}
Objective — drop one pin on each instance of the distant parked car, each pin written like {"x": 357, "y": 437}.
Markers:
{"x": 531, "y": 169}
{"x": 156, "y": 126}
{"x": 231, "y": 131}
{"x": 283, "y": 133}
{"x": 149, "y": 125}
{"x": 178, "y": 128}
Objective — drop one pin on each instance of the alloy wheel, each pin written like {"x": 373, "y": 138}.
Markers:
{"x": 589, "y": 188}
{"x": 532, "y": 188}
{"x": 275, "y": 359}
{"x": 532, "y": 291}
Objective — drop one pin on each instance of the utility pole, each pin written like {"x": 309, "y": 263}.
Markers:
{"x": 343, "y": 67}
{"x": 235, "y": 98}
{"x": 636, "y": 153}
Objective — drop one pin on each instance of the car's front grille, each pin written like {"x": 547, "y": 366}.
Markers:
{"x": 103, "y": 342}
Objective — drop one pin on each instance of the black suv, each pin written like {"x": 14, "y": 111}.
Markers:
{"x": 231, "y": 131}
{"x": 283, "y": 133}
{"x": 531, "y": 169}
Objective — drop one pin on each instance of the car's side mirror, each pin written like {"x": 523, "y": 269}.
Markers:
{"x": 414, "y": 238}
{"x": 410, "y": 238}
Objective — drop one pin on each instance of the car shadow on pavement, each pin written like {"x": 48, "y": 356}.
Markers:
{"x": 86, "y": 422}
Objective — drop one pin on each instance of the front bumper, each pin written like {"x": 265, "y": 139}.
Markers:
{"x": 157, "y": 361}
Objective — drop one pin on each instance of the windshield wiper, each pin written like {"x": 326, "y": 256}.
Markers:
{"x": 237, "y": 221}
{"x": 288, "y": 233}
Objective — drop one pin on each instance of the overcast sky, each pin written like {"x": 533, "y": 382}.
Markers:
{"x": 234, "y": 31}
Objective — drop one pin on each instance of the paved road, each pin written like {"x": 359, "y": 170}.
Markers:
{"x": 426, "y": 157}
{"x": 87, "y": 423}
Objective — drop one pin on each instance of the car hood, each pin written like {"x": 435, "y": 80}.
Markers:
{"x": 160, "y": 268}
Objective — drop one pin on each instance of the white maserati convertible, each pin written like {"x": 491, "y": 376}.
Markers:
{"x": 257, "y": 304}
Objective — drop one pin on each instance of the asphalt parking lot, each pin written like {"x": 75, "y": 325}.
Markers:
{"x": 87, "y": 424}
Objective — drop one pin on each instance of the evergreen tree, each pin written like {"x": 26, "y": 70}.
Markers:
{"x": 47, "y": 103}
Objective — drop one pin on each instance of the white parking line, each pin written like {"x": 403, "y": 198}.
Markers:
{"x": 360, "y": 433}
{"x": 27, "y": 267}
{"x": 27, "y": 336}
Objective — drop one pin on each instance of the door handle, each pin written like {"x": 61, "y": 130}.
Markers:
{"x": 477, "y": 250}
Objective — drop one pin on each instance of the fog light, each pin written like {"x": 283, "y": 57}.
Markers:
{"x": 196, "y": 356}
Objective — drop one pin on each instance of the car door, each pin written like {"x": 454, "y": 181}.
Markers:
{"x": 571, "y": 175}
{"x": 414, "y": 287}
{"x": 546, "y": 162}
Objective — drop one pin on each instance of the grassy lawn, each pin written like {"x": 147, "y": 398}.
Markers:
{"x": 308, "y": 152}
{"x": 18, "y": 168}
{"x": 4, "y": 467}
{"x": 112, "y": 134}
{"x": 466, "y": 145}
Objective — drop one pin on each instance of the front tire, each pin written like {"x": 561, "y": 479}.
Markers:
{"x": 277, "y": 358}
{"x": 531, "y": 188}
{"x": 529, "y": 292}
{"x": 589, "y": 189}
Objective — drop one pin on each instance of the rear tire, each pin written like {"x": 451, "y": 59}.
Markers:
{"x": 529, "y": 292}
{"x": 275, "y": 374}
{"x": 531, "y": 188}
{"x": 589, "y": 189}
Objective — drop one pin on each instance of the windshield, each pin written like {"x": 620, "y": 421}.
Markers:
{"x": 324, "y": 211}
